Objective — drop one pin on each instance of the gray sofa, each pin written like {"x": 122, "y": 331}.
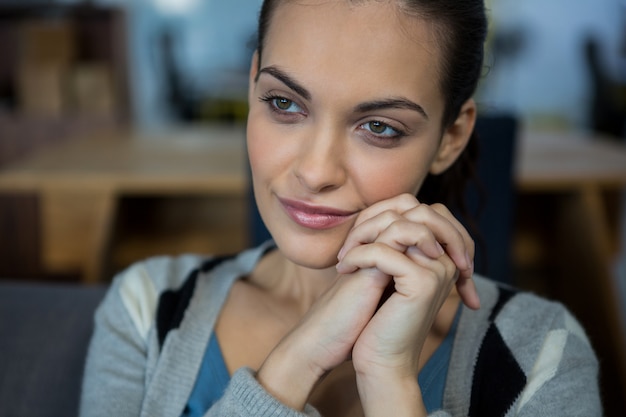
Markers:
{"x": 44, "y": 334}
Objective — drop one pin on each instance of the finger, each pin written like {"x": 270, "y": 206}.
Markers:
{"x": 465, "y": 279}
{"x": 399, "y": 204}
{"x": 396, "y": 264}
{"x": 444, "y": 211}
{"x": 375, "y": 255}
{"x": 394, "y": 230}
{"x": 465, "y": 284}
{"x": 448, "y": 231}
{"x": 466, "y": 288}
{"x": 368, "y": 230}
{"x": 404, "y": 234}
{"x": 462, "y": 254}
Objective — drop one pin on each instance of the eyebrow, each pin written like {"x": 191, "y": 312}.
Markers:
{"x": 283, "y": 77}
{"x": 391, "y": 103}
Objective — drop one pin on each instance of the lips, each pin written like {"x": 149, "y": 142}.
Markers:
{"x": 315, "y": 217}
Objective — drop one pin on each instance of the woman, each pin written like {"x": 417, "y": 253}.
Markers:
{"x": 355, "y": 308}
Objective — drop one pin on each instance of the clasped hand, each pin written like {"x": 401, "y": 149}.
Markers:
{"x": 420, "y": 251}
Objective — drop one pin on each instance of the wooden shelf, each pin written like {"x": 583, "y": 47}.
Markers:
{"x": 152, "y": 226}
{"x": 63, "y": 74}
{"x": 64, "y": 61}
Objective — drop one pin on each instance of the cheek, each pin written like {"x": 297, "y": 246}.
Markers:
{"x": 270, "y": 152}
{"x": 258, "y": 146}
{"x": 256, "y": 152}
{"x": 391, "y": 177}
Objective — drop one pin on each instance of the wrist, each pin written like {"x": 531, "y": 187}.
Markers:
{"x": 287, "y": 376}
{"x": 390, "y": 395}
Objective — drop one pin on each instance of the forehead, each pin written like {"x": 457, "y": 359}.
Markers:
{"x": 366, "y": 43}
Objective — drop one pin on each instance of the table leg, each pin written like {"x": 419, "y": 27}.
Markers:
{"x": 76, "y": 230}
{"x": 586, "y": 282}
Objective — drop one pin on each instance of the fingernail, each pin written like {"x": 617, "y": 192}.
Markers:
{"x": 440, "y": 249}
{"x": 470, "y": 262}
{"x": 341, "y": 253}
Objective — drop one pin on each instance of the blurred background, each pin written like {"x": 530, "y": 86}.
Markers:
{"x": 122, "y": 129}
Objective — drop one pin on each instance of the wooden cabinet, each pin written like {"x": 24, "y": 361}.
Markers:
{"x": 63, "y": 74}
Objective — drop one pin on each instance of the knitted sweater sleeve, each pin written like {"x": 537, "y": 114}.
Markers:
{"x": 244, "y": 396}
{"x": 563, "y": 379}
{"x": 114, "y": 376}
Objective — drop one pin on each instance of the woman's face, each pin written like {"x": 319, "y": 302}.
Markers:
{"x": 345, "y": 111}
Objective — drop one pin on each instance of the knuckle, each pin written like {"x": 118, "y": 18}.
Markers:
{"x": 418, "y": 213}
{"x": 425, "y": 210}
{"x": 407, "y": 198}
{"x": 447, "y": 268}
{"x": 471, "y": 245}
{"x": 441, "y": 208}
{"x": 450, "y": 267}
{"x": 378, "y": 247}
{"x": 390, "y": 215}
{"x": 432, "y": 281}
{"x": 396, "y": 227}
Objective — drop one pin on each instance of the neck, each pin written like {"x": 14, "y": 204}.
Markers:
{"x": 292, "y": 283}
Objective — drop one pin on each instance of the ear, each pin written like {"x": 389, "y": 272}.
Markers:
{"x": 254, "y": 69}
{"x": 455, "y": 138}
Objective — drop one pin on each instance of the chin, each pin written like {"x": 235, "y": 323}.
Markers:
{"x": 314, "y": 251}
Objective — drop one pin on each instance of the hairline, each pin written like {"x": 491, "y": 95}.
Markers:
{"x": 437, "y": 28}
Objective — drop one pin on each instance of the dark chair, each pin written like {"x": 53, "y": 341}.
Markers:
{"x": 497, "y": 139}
{"x": 44, "y": 333}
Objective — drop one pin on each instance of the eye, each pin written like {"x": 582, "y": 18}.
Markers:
{"x": 282, "y": 104}
{"x": 381, "y": 129}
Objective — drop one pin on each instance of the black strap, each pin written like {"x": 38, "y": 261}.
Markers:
{"x": 173, "y": 303}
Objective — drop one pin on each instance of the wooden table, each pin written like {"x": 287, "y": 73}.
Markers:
{"x": 80, "y": 182}
{"x": 566, "y": 160}
{"x": 577, "y": 182}
{"x": 584, "y": 167}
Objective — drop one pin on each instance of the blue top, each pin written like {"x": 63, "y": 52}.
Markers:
{"x": 211, "y": 382}
{"x": 213, "y": 376}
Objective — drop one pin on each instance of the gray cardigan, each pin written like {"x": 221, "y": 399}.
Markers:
{"x": 519, "y": 355}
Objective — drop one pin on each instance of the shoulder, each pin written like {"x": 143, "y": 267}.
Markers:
{"x": 158, "y": 291}
{"x": 536, "y": 343}
{"x": 138, "y": 289}
{"x": 521, "y": 314}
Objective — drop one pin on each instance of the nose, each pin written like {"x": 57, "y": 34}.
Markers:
{"x": 320, "y": 166}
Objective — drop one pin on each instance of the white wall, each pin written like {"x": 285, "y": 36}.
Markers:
{"x": 550, "y": 76}
{"x": 212, "y": 36}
